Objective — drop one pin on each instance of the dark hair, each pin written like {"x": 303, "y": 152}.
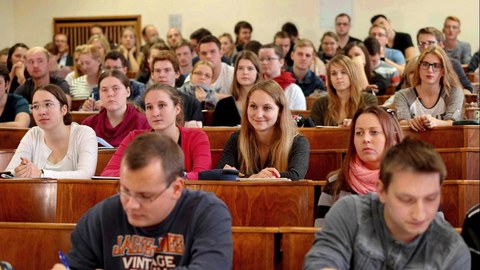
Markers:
{"x": 242, "y": 24}
{"x": 97, "y": 26}
{"x": 374, "y": 18}
{"x": 167, "y": 56}
{"x": 200, "y": 33}
{"x": 253, "y": 46}
{"x": 291, "y": 29}
{"x": 411, "y": 155}
{"x": 432, "y": 31}
{"x": 208, "y": 39}
{"x": 393, "y": 135}
{"x": 253, "y": 58}
{"x": 150, "y": 147}
{"x": 144, "y": 29}
{"x": 11, "y": 51}
{"x": 4, "y": 73}
{"x": 58, "y": 93}
{"x": 114, "y": 73}
{"x": 281, "y": 34}
{"x": 115, "y": 55}
{"x": 373, "y": 45}
{"x": 368, "y": 66}
{"x": 343, "y": 15}
{"x": 174, "y": 95}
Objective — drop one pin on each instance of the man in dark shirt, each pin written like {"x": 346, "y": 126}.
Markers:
{"x": 37, "y": 67}
{"x": 342, "y": 27}
{"x": 153, "y": 222}
{"x": 302, "y": 56}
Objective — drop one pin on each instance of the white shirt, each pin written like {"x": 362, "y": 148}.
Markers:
{"x": 295, "y": 97}
{"x": 79, "y": 162}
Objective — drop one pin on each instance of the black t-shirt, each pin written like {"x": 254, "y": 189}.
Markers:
{"x": 197, "y": 231}
{"x": 15, "y": 104}
{"x": 27, "y": 88}
{"x": 402, "y": 41}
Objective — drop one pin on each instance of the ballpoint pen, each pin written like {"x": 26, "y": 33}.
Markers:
{"x": 63, "y": 259}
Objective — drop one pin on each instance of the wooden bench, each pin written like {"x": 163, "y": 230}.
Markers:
{"x": 5, "y": 157}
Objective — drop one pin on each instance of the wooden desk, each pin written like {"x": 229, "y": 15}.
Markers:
{"x": 11, "y": 137}
{"x": 250, "y": 203}
{"x": 79, "y": 116}
{"x": 77, "y": 104}
{"x": 5, "y": 157}
{"x": 458, "y": 196}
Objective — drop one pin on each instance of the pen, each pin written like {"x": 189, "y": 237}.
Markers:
{"x": 63, "y": 259}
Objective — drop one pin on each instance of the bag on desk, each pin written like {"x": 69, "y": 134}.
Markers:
{"x": 219, "y": 174}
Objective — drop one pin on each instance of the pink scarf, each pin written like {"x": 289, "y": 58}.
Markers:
{"x": 361, "y": 179}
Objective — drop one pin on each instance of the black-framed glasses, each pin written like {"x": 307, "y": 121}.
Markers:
{"x": 142, "y": 199}
{"x": 426, "y": 65}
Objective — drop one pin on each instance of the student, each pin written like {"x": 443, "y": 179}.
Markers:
{"x": 114, "y": 60}
{"x": 248, "y": 71}
{"x": 16, "y": 60}
{"x": 303, "y": 55}
{"x": 361, "y": 58}
{"x": 165, "y": 70}
{"x": 391, "y": 56}
{"x": 455, "y": 48}
{"x": 243, "y": 34}
{"x": 328, "y": 46}
{"x": 173, "y": 36}
{"x": 37, "y": 66}
{"x": 56, "y": 147}
{"x": 199, "y": 85}
{"x": 91, "y": 63}
{"x": 373, "y": 132}
{"x": 116, "y": 118}
{"x": 272, "y": 60}
{"x": 397, "y": 229}
{"x": 396, "y": 40}
{"x": 209, "y": 50}
{"x": 153, "y": 221}
{"x": 342, "y": 29}
{"x": 14, "y": 110}
{"x": 471, "y": 235}
{"x": 428, "y": 37}
{"x": 345, "y": 95}
{"x": 268, "y": 144}
{"x": 228, "y": 47}
{"x": 388, "y": 72}
{"x": 102, "y": 44}
{"x": 436, "y": 99}
{"x": 163, "y": 108}
{"x": 129, "y": 48}
{"x": 184, "y": 52}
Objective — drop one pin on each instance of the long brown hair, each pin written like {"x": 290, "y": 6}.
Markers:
{"x": 393, "y": 135}
{"x": 252, "y": 57}
{"x": 334, "y": 103}
{"x": 282, "y": 139}
{"x": 174, "y": 95}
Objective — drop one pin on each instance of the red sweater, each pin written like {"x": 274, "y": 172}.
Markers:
{"x": 195, "y": 146}
{"x": 114, "y": 135}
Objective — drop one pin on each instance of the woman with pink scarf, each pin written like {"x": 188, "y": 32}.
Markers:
{"x": 373, "y": 131}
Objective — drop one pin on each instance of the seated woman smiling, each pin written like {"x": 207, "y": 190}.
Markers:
{"x": 268, "y": 144}
{"x": 56, "y": 147}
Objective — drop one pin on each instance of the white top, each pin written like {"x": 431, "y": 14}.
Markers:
{"x": 295, "y": 97}
{"x": 80, "y": 161}
{"x": 80, "y": 89}
{"x": 69, "y": 78}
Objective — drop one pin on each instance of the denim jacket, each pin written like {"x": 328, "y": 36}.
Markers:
{"x": 355, "y": 237}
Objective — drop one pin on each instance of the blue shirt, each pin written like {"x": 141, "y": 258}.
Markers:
{"x": 310, "y": 82}
{"x": 395, "y": 55}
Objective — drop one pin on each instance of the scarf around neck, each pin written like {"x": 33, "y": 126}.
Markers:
{"x": 361, "y": 179}
{"x": 285, "y": 79}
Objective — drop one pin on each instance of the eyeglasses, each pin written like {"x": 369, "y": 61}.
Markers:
{"x": 269, "y": 59}
{"x": 425, "y": 44}
{"x": 142, "y": 199}
{"x": 200, "y": 74}
{"x": 46, "y": 105}
{"x": 426, "y": 65}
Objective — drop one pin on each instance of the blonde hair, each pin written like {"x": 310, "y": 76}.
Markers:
{"x": 103, "y": 40}
{"x": 334, "y": 104}
{"x": 76, "y": 71}
{"x": 449, "y": 80}
{"x": 283, "y": 135}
